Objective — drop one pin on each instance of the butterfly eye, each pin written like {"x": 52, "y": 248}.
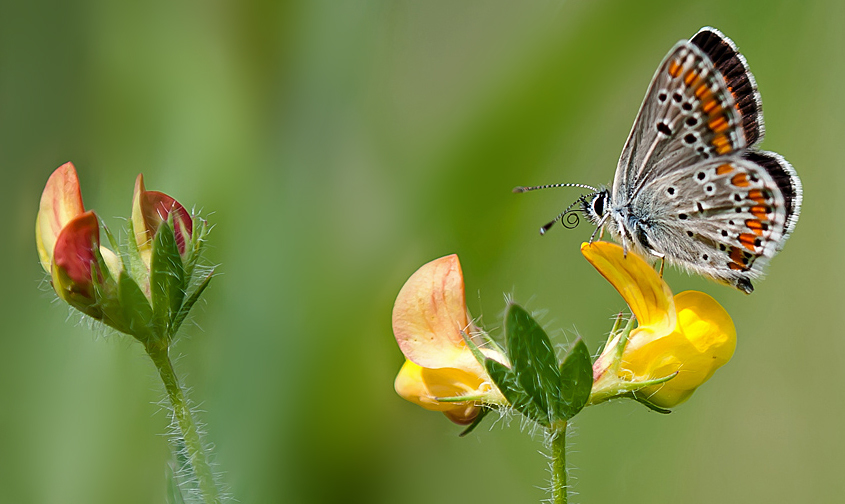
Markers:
{"x": 598, "y": 205}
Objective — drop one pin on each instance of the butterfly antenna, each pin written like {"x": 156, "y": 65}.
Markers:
{"x": 571, "y": 222}
{"x": 522, "y": 189}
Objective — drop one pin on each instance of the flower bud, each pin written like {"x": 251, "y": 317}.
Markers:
{"x": 149, "y": 210}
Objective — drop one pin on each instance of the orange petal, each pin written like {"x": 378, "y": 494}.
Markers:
{"x": 648, "y": 296}
{"x": 430, "y": 313}
{"x": 61, "y": 201}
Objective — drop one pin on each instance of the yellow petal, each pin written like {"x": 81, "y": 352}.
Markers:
{"x": 430, "y": 313}
{"x": 423, "y": 386}
{"x": 704, "y": 340}
{"x": 648, "y": 296}
{"x": 61, "y": 202}
{"x": 142, "y": 236}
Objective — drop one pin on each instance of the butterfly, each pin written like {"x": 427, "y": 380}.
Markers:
{"x": 691, "y": 187}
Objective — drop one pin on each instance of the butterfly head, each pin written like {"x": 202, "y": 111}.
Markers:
{"x": 596, "y": 205}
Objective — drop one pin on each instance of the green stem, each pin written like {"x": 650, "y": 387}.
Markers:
{"x": 195, "y": 451}
{"x": 558, "y": 440}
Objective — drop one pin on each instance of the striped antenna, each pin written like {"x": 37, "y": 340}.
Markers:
{"x": 568, "y": 225}
{"x": 522, "y": 189}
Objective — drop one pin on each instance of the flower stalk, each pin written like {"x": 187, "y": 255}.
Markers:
{"x": 195, "y": 450}
{"x": 559, "y": 488}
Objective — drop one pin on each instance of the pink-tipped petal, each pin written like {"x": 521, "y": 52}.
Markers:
{"x": 61, "y": 201}
{"x": 74, "y": 254}
{"x": 150, "y": 209}
{"x": 430, "y": 313}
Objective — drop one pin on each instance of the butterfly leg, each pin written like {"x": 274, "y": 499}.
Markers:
{"x": 599, "y": 229}
{"x": 662, "y": 263}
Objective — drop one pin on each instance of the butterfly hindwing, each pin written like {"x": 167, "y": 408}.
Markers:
{"x": 724, "y": 217}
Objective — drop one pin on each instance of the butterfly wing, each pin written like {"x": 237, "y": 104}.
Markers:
{"x": 723, "y": 217}
{"x": 702, "y": 103}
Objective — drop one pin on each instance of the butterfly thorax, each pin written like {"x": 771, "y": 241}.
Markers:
{"x": 627, "y": 223}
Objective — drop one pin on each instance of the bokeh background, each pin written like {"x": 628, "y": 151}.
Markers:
{"x": 338, "y": 146}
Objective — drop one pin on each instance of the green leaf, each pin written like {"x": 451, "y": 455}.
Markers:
{"x": 471, "y": 427}
{"x": 506, "y": 381}
{"x": 167, "y": 278}
{"x": 136, "y": 308}
{"x": 576, "y": 379}
{"x": 534, "y": 361}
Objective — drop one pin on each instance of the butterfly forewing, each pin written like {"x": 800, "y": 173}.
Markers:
{"x": 740, "y": 82}
{"x": 689, "y": 114}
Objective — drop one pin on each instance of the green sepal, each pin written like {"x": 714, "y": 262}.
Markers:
{"x": 167, "y": 278}
{"x": 652, "y": 407}
{"x": 475, "y": 423}
{"x": 106, "y": 295}
{"x": 136, "y": 309}
{"x": 476, "y": 352}
{"x": 576, "y": 379}
{"x": 463, "y": 398}
{"x": 173, "y": 493}
{"x": 534, "y": 362}
{"x": 194, "y": 247}
{"x": 189, "y": 303}
{"x": 137, "y": 267}
{"x": 505, "y": 379}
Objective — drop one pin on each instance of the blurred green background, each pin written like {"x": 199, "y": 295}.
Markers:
{"x": 338, "y": 146}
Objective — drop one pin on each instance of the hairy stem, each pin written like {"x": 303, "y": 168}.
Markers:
{"x": 558, "y": 441}
{"x": 195, "y": 451}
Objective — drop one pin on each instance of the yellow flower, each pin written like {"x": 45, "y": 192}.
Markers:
{"x": 689, "y": 335}
{"x": 430, "y": 319}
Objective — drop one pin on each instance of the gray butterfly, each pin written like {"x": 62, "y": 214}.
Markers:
{"x": 691, "y": 187}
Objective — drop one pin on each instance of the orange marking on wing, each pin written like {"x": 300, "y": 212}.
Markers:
{"x": 757, "y": 195}
{"x": 674, "y": 69}
{"x": 691, "y": 76}
{"x": 703, "y": 92}
{"x": 724, "y": 149}
{"x": 736, "y": 254}
{"x": 723, "y": 169}
{"x": 736, "y": 267}
{"x": 709, "y": 105}
{"x": 718, "y": 124}
{"x": 755, "y": 226}
{"x": 760, "y": 211}
{"x": 749, "y": 241}
{"x": 740, "y": 180}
